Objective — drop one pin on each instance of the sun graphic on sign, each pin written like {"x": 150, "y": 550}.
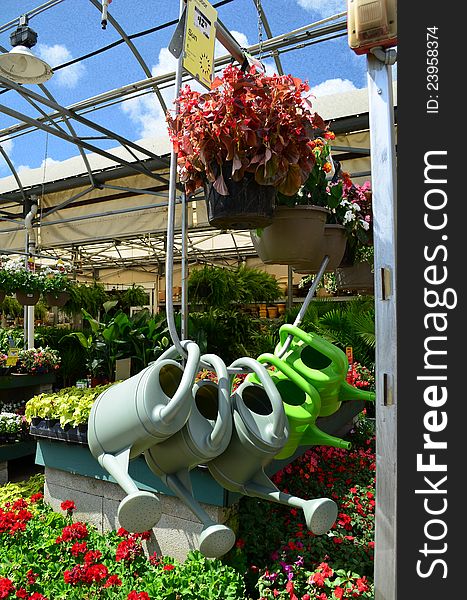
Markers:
{"x": 205, "y": 64}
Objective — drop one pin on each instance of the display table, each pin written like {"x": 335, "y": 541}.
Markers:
{"x": 11, "y": 451}
{"x": 22, "y": 387}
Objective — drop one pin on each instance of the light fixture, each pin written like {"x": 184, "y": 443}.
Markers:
{"x": 20, "y": 64}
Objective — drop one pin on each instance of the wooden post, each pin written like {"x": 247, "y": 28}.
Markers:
{"x": 384, "y": 204}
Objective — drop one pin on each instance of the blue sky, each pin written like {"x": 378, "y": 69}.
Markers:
{"x": 72, "y": 28}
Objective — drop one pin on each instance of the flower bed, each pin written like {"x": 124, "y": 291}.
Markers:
{"x": 55, "y": 558}
{"x": 283, "y": 559}
{"x": 275, "y": 555}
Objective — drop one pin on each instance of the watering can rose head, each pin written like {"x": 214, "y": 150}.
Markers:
{"x": 262, "y": 124}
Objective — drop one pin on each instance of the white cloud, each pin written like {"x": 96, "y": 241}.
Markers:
{"x": 332, "y": 86}
{"x": 57, "y": 55}
{"x": 325, "y": 8}
{"x": 48, "y": 162}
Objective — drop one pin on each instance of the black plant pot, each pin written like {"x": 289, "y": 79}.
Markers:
{"x": 248, "y": 205}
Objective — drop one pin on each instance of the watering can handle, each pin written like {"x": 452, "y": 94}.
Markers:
{"x": 169, "y": 411}
{"x": 292, "y": 374}
{"x": 316, "y": 342}
{"x": 224, "y": 413}
{"x": 270, "y": 389}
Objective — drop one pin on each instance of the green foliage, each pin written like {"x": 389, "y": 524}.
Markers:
{"x": 141, "y": 337}
{"x": 23, "y": 489}
{"x": 73, "y": 355}
{"x": 135, "y": 295}
{"x": 226, "y": 332}
{"x": 10, "y": 307}
{"x": 212, "y": 287}
{"x": 219, "y": 287}
{"x": 88, "y": 297}
{"x": 70, "y": 405}
{"x": 43, "y": 549}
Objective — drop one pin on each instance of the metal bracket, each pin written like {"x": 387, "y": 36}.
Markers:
{"x": 386, "y": 56}
{"x": 176, "y": 42}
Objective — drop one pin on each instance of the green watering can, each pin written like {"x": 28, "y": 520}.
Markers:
{"x": 321, "y": 364}
{"x": 134, "y": 415}
{"x": 261, "y": 431}
{"x": 205, "y": 435}
{"x": 302, "y": 405}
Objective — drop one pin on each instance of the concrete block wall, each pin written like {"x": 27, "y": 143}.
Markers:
{"x": 97, "y": 502}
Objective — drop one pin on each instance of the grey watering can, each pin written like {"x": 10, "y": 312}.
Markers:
{"x": 205, "y": 435}
{"x": 260, "y": 432}
{"x": 133, "y": 415}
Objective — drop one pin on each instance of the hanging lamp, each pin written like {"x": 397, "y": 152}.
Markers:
{"x": 20, "y": 64}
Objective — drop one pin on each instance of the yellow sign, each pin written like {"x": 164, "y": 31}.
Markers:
{"x": 200, "y": 37}
{"x": 12, "y": 358}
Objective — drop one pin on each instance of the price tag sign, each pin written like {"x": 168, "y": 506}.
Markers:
{"x": 12, "y": 358}
{"x": 200, "y": 38}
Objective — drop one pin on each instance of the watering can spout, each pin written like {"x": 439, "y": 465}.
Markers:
{"x": 349, "y": 392}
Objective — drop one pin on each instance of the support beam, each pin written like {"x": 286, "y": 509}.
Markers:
{"x": 384, "y": 232}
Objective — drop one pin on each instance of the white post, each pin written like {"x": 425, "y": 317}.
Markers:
{"x": 384, "y": 208}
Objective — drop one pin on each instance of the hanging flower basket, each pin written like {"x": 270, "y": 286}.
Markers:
{"x": 334, "y": 244}
{"x": 295, "y": 236}
{"x": 56, "y": 298}
{"x": 28, "y": 298}
{"x": 248, "y": 205}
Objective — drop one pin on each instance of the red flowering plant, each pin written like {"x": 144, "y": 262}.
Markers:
{"x": 38, "y": 360}
{"x": 263, "y": 124}
{"x": 46, "y": 555}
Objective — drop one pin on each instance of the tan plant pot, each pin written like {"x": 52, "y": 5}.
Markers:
{"x": 295, "y": 236}
{"x": 272, "y": 312}
{"x": 335, "y": 241}
{"x": 359, "y": 278}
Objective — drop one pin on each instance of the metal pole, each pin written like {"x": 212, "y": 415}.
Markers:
{"x": 184, "y": 308}
{"x": 384, "y": 232}
{"x": 306, "y": 303}
{"x": 171, "y": 220}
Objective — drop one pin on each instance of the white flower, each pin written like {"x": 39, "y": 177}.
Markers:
{"x": 349, "y": 216}
{"x": 364, "y": 224}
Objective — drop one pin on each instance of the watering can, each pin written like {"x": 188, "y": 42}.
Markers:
{"x": 302, "y": 405}
{"x": 131, "y": 416}
{"x": 260, "y": 432}
{"x": 205, "y": 435}
{"x": 323, "y": 365}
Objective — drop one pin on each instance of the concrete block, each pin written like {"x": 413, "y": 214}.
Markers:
{"x": 88, "y": 506}
{"x": 97, "y": 502}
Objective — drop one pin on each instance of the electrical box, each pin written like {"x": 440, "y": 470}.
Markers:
{"x": 371, "y": 23}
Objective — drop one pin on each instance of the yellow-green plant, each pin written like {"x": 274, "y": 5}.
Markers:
{"x": 71, "y": 405}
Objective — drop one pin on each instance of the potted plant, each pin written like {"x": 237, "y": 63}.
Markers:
{"x": 56, "y": 286}
{"x": 38, "y": 361}
{"x": 344, "y": 221}
{"x": 25, "y": 281}
{"x": 10, "y": 427}
{"x": 243, "y": 142}
{"x": 4, "y": 370}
